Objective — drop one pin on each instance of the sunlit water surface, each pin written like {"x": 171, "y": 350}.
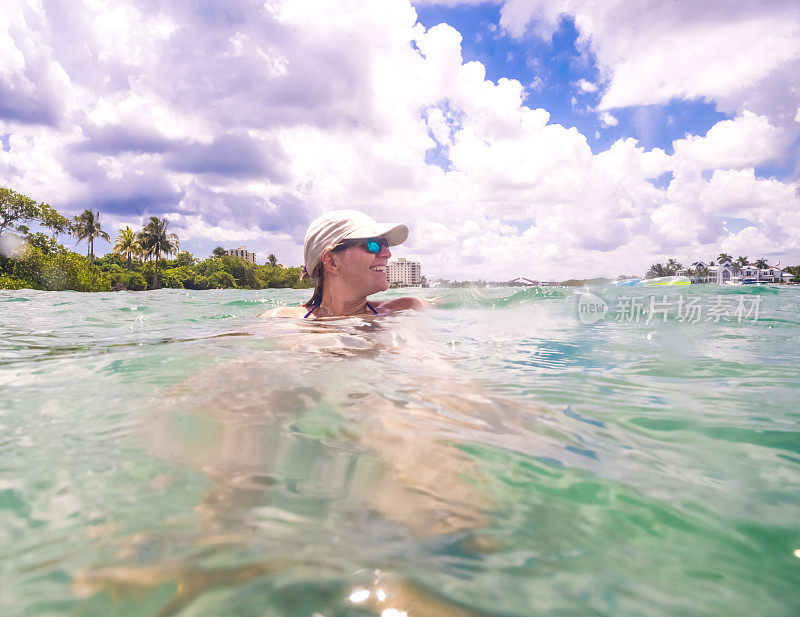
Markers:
{"x": 170, "y": 453}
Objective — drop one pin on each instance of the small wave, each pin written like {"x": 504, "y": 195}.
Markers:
{"x": 535, "y": 293}
{"x": 772, "y": 321}
{"x": 250, "y": 302}
{"x": 472, "y": 297}
{"x": 752, "y": 290}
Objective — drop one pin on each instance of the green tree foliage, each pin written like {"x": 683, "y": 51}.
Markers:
{"x": 86, "y": 226}
{"x": 46, "y": 244}
{"x": 132, "y": 281}
{"x": 723, "y": 257}
{"x": 127, "y": 244}
{"x": 17, "y": 209}
{"x": 761, "y": 264}
{"x": 273, "y": 261}
{"x": 218, "y": 252}
{"x": 672, "y": 266}
{"x": 9, "y": 281}
{"x": 58, "y": 271}
{"x": 242, "y": 271}
{"x": 221, "y": 280}
{"x": 175, "y": 278}
{"x": 43, "y": 263}
{"x": 54, "y": 221}
{"x": 655, "y": 271}
{"x": 184, "y": 258}
{"x": 156, "y": 241}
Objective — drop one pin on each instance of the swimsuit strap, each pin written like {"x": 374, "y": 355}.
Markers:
{"x": 313, "y": 308}
{"x": 316, "y": 306}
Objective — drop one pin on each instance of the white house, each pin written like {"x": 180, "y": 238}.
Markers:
{"x": 720, "y": 274}
{"x": 727, "y": 273}
{"x": 772, "y": 274}
{"x": 724, "y": 273}
{"x": 748, "y": 273}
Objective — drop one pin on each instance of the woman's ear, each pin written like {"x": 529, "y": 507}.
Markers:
{"x": 329, "y": 263}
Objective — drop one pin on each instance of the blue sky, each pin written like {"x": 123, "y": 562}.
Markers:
{"x": 550, "y": 68}
{"x": 582, "y": 138}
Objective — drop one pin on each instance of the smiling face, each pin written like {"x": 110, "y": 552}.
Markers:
{"x": 362, "y": 271}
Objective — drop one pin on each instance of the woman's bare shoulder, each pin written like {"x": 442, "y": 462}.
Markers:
{"x": 286, "y": 311}
{"x": 403, "y": 304}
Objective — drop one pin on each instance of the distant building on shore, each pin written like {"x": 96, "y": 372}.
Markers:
{"x": 242, "y": 253}
{"x": 727, "y": 273}
{"x": 522, "y": 281}
{"x": 404, "y": 273}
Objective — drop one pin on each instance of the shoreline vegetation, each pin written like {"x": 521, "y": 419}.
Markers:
{"x": 139, "y": 260}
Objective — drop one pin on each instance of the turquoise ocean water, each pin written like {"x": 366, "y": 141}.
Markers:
{"x": 511, "y": 452}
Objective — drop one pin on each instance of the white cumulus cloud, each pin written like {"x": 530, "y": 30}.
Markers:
{"x": 740, "y": 55}
{"x": 608, "y": 120}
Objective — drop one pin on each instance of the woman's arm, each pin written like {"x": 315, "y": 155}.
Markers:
{"x": 403, "y": 304}
{"x": 285, "y": 311}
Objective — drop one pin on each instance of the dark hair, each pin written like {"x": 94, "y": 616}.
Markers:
{"x": 318, "y": 278}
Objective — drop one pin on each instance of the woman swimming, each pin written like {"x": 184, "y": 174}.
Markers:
{"x": 345, "y": 254}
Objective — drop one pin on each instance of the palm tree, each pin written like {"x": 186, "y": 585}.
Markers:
{"x": 723, "y": 257}
{"x": 127, "y": 244}
{"x": 761, "y": 264}
{"x": 655, "y": 271}
{"x": 672, "y": 266}
{"x": 701, "y": 272}
{"x": 86, "y": 226}
{"x": 741, "y": 262}
{"x": 155, "y": 242}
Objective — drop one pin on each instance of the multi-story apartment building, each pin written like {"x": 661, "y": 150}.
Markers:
{"x": 404, "y": 273}
{"x": 242, "y": 253}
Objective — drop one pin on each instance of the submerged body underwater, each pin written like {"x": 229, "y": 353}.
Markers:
{"x": 170, "y": 453}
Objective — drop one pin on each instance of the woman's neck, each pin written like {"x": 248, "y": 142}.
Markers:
{"x": 336, "y": 304}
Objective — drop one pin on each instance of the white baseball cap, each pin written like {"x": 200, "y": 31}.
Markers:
{"x": 328, "y": 230}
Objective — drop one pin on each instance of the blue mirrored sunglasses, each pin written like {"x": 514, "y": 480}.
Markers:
{"x": 371, "y": 245}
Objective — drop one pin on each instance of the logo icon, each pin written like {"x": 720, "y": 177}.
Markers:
{"x": 591, "y": 308}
